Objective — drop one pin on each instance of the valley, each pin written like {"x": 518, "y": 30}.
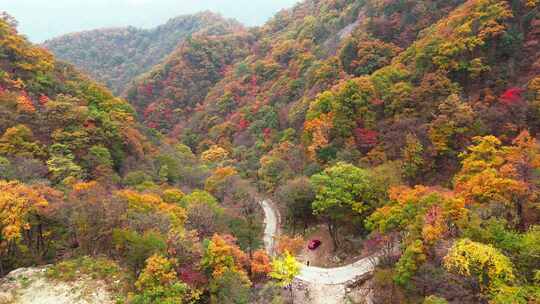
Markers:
{"x": 345, "y": 151}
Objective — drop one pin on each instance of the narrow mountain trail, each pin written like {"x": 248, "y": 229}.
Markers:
{"x": 271, "y": 225}
{"x": 326, "y": 285}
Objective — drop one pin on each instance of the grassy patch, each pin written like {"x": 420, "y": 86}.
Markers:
{"x": 25, "y": 282}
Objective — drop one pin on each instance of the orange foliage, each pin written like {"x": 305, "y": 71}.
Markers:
{"x": 218, "y": 177}
{"x": 293, "y": 245}
{"x": 486, "y": 176}
{"x": 434, "y": 225}
{"x": 224, "y": 255}
{"x": 24, "y": 104}
{"x": 260, "y": 264}
{"x": 158, "y": 271}
{"x": 17, "y": 203}
{"x": 420, "y": 209}
{"x": 319, "y": 129}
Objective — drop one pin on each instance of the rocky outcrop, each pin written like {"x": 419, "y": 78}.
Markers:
{"x": 32, "y": 286}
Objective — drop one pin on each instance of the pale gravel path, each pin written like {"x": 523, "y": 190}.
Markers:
{"x": 271, "y": 225}
{"x": 337, "y": 275}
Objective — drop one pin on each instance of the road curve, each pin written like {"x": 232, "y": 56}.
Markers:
{"x": 337, "y": 275}
{"x": 310, "y": 274}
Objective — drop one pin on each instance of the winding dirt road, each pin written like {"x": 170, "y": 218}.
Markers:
{"x": 317, "y": 278}
{"x": 271, "y": 225}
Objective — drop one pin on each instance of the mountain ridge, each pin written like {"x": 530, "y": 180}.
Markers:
{"x": 402, "y": 129}
{"x": 116, "y": 55}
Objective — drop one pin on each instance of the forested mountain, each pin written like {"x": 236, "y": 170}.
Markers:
{"x": 401, "y": 129}
{"x": 115, "y": 56}
{"x": 435, "y": 102}
{"x": 350, "y": 79}
{"x": 172, "y": 90}
{"x": 83, "y": 187}
{"x": 297, "y": 55}
{"x": 51, "y": 114}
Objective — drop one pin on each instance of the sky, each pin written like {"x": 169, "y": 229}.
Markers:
{"x": 40, "y": 20}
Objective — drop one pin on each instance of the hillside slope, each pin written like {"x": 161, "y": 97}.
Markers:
{"x": 86, "y": 189}
{"x": 298, "y": 54}
{"x": 50, "y": 114}
{"x": 319, "y": 46}
{"x": 410, "y": 122}
{"x": 170, "y": 91}
{"x": 404, "y": 129}
{"x": 115, "y": 56}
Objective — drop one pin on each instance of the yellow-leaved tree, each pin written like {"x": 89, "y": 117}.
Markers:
{"x": 492, "y": 269}
{"x": 215, "y": 154}
{"x": 494, "y": 175}
{"x": 147, "y": 203}
{"x": 223, "y": 255}
{"x": 18, "y": 202}
{"x": 284, "y": 270}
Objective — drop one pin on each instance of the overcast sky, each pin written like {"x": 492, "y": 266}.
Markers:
{"x": 44, "y": 19}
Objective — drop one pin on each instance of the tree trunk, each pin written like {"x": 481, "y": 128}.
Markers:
{"x": 521, "y": 221}
{"x": 332, "y": 229}
{"x": 40, "y": 241}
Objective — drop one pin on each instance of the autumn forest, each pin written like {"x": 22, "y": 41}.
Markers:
{"x": 206, "y": 161}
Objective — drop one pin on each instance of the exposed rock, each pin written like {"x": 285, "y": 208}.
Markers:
{"x": 31, "y": 286}
{"x": 6, "y": 297}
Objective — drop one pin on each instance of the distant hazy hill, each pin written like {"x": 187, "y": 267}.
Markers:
{"x": 115, "y": 56}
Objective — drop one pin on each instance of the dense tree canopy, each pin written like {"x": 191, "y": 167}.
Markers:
{"x": 343, "y": 193}
{"x": 116, "y": 56}
{"x": 406, "y": 129}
